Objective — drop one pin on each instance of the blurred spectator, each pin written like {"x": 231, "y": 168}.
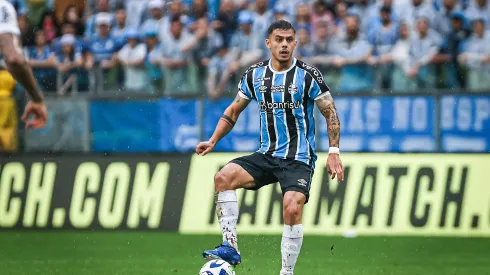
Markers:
{"x": 153, "y": 23}
{"x": 352, "y": 53}
{"x": 400, "y": 57}
{"x": 361, "y": 9}
{"x": 303, "y": 17}
{"x": 73, "y": 16}
{"x": 137, "y": 10}
{"x": 119, "y": 28}
{"x": 262, "y": 18}
{"x": 27, "y": 35}
{"x": 226, "y": 23}
{"x": 199, "y": 9}
{"x": 218, "y": 78}
{"x": 442, "y": 22}
{"x": 49, "y": 26}
{"x": 91, "y": 25}
{"x": 176, "y": 10}
{"x": 132, "y": 58}
{"x": 245, "y": 46}
{"x": 43, "y": 62}
{"x": 304, "y": 49}
{"x": 450, "y": 49}
{"x": 423, "y": 48}
{"x": 280, "y": 13}
{"x": 67, "y": 28}
{"x": 320, "y": 14}
{"x": 417, "y": 9}
{"x": 68, "y": 62}
{"x": 8, "y": 112}
{"x": 383, "y": 37}
{"x": 153, "y": 60}
{"x": 19, "y": 6}
{"x": 479, "y": 9}
{"x": 176, "y": 63}
{"x": 476, "y": 56}
{"x": 341, "y": 14}
{"x": 290, "y": 6}
{"x": 321, "y": 48}
{"x": 374, "y": 12}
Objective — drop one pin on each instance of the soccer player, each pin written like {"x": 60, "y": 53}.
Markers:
{"x": 286, "y": 90}
{"x": 11, "y": 50}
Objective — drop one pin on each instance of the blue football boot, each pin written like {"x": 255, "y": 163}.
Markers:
{"x": 224, "y": 252}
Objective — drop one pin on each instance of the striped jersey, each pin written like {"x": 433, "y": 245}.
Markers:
{"x": 286, "y": 101}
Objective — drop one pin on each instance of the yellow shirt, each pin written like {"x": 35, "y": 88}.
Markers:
{"x": 7, "y": 83}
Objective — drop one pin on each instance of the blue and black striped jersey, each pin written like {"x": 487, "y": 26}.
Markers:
{"x": 286, "y": 101}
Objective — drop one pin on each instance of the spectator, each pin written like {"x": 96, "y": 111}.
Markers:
{"x": 418, "y": 9}
{"x": 120, "y": 26}
{"x": 303, "y": 17}
{"x": 226, "y": 23}
{"x": 102, "y": 7}
{"x": 68, "y": 62}
{"x": 154, "y": 23}
{"x": 373, "y": 14}
{"x": 280, "y": 13}
{"x": 199, "y": 10}
{"x": 218, "y": 79}
{"x": 290, "y": 6}
{"x": 352, "y": 53}
{"x": 67, "y": 28}
{"x": 361, "y": 9}
{"x": 321, "y": 48}
{"x": 245, "y": 46}
{"x": 176, "y": 63}
{"x": 26, "y": 32}
{"x": 176, "y": 10}
{"x": 137, "y": 9}
{"x": 399, "y": 56}
{"x": 49, "y": 26}
{"x": 382, "y": 38}
{"x": 442, "y": 22}
{"x": 476, "y": 56}
{"x": 43, "y": 62}
{"x": 423, "y": 48}
{"x": 479, "y": 9}
{"x": 304, "y": 49}
{"x": 153, "y": 60}
{"x": 341, "y": 14}
{"x": 19, "y": 6}
{"x": 73, "y": 16}
{"x": 448, "y": 54}
{"x": 262, "y": 18}
{"x": 320, "y": 14}
{"x": 8, "y": 112}
{"x": 132, "y": 58}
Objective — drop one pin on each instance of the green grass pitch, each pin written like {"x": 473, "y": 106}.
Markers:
{"x": 170, "y": 253}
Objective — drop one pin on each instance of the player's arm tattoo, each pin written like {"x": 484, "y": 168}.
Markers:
{"x": 328, "y": 110}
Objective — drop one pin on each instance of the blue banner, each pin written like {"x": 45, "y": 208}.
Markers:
{"x": 178, "y": 121}
{"x": 382, "y": 124}
{"x": 245, "y": 136}
{"x": 465, "y": 123}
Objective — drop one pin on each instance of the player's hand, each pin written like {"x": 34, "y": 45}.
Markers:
{"x": 39, "y": 115}
{"x": 204, "y": 147}
{"x": 334, "y": 167}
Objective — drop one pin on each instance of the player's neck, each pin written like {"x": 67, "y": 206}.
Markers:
{"x": 281, "y": 66}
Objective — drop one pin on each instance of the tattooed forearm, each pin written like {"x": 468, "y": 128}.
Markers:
{"x": 328, "y": 110}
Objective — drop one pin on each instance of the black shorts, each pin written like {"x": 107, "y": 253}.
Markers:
{"x": 292, "y": 175}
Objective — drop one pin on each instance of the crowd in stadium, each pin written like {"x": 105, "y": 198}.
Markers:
{"x": 147, "y": 46}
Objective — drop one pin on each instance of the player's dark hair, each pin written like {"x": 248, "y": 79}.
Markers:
{"x": 280, "y": 25}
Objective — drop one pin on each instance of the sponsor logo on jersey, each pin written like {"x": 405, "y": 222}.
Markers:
{"x": 277, "y": 89}
{"x": 268, "y": 106}
{"x": 262, "y": 79}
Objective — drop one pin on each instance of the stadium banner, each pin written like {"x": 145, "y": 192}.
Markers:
{"x": 465, "y": 123}
{"x": 382, "y": 194}
{"x": 92, "y": 192}
{"x": 246, "y": 132}
{"x": 383, "y": 124}
{"x": 67, "y": 128}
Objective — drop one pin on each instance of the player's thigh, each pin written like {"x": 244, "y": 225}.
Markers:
{"x": 250, "y": 172}
{"x": 295, "y": 176}
{"x": 233, "y": 176}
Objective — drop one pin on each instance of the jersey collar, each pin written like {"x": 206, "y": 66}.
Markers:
{"x": 276, "y": 72}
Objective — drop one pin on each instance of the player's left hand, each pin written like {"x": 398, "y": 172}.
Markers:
{"x": 38, "y": 111}
{"x": 334, "y": 167}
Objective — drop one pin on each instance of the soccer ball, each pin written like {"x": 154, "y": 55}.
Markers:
{"x": 217, "y": 267}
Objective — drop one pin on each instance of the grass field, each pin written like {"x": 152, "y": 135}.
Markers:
{"x": 170, "y": 253}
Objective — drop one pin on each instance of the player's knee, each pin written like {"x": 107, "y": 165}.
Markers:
{"x": 292, "y": 209}
{"x": 222, "y": 182}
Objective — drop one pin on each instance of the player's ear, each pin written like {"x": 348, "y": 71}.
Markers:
{"x": 268, "y": 43}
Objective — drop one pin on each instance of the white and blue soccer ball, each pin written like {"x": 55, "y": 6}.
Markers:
{"x": 217, "y": 267}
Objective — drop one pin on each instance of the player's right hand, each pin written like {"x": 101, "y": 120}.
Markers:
{"x": 39, "y": 115}
{"x": 204, "y": 147}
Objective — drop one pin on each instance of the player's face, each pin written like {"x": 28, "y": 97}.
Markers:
{"x": 282, "y": 44}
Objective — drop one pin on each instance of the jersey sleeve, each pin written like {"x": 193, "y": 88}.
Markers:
{"x": 318, "y": 87}
{"x": 243, "y": 90}
{"x": 8, "y": 19}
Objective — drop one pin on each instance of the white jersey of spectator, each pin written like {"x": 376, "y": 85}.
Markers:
{"x": 8, "y": 18}
{"x": 135, "y": 9}
{"x": 136, "y": 77}
{"x": 152, "y": 24}
{"x": 172, "y": 50}
{"x": 423, "y": 49}
{"x": 475, "y": 48}
{"x": 411, "y": 13}
{"x": 442, "y": 22}
{"x": 400, "y": 53}
{"x": 474, "y": 11}
{"x": 354, "y": 49}
{"x": 383, "y": 38}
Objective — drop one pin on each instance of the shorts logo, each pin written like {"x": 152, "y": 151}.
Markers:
{"x": 292, "y": 89}
{"x": 262, "y": 89}
{"x": 302, "y": 182}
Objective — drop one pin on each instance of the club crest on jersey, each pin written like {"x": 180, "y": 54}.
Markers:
{"x": 292, "y": 89}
